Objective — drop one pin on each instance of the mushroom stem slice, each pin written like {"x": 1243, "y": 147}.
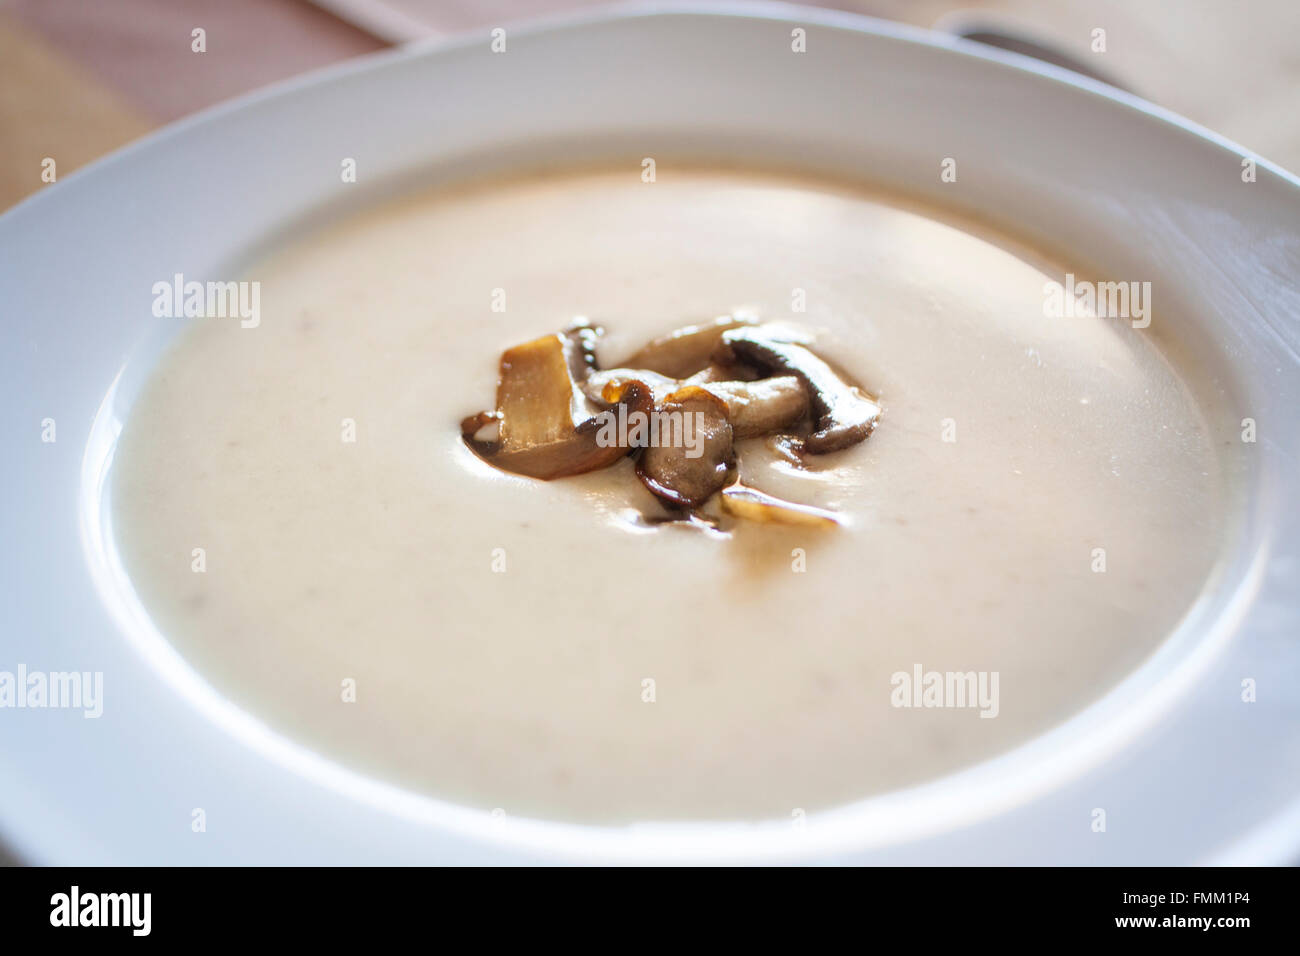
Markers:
{"x": 767, "y": 405}
{"x": 686, "y": 351}
{"x": 844, "y": 414}
{"x": 717, "y": 373}
{"x": 691, "y": 454}
{"x": 750, "y": 503}
{"x": 753, "y": 408}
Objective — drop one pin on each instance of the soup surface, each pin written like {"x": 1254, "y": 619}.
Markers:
{"x": 1038, "y": 507}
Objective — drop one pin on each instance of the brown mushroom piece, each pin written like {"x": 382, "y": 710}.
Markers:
{"x": 766, "y": 405}
{"x": 548, "y": 427}
{"x": 714, "y": 372}
{"x": 599, "y": 381}
{"x": 686, "y": 351}
{"x": 679, "y": 406}
{"x": 687, "y": 469}
{"x": 753, "y": 408}
{"x": 750, "y": 503}
{"x": 843, "y": 414}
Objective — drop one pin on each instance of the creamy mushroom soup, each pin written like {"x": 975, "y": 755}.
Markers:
{"x": 1038, "y": 506}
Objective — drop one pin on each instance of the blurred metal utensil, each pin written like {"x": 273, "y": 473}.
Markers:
{"x": 1007, "y": 38}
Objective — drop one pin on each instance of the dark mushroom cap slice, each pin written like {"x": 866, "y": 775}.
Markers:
{"x": 843, "y": 414}
{"x": 694, "y": 454}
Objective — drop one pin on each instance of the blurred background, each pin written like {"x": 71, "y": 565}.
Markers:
{"x": 79, "y": 78}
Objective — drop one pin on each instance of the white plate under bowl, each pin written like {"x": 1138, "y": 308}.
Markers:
{"x": 1185, "y": 770}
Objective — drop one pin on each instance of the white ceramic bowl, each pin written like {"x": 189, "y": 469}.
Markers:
{"x": 1184, "y": 769}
